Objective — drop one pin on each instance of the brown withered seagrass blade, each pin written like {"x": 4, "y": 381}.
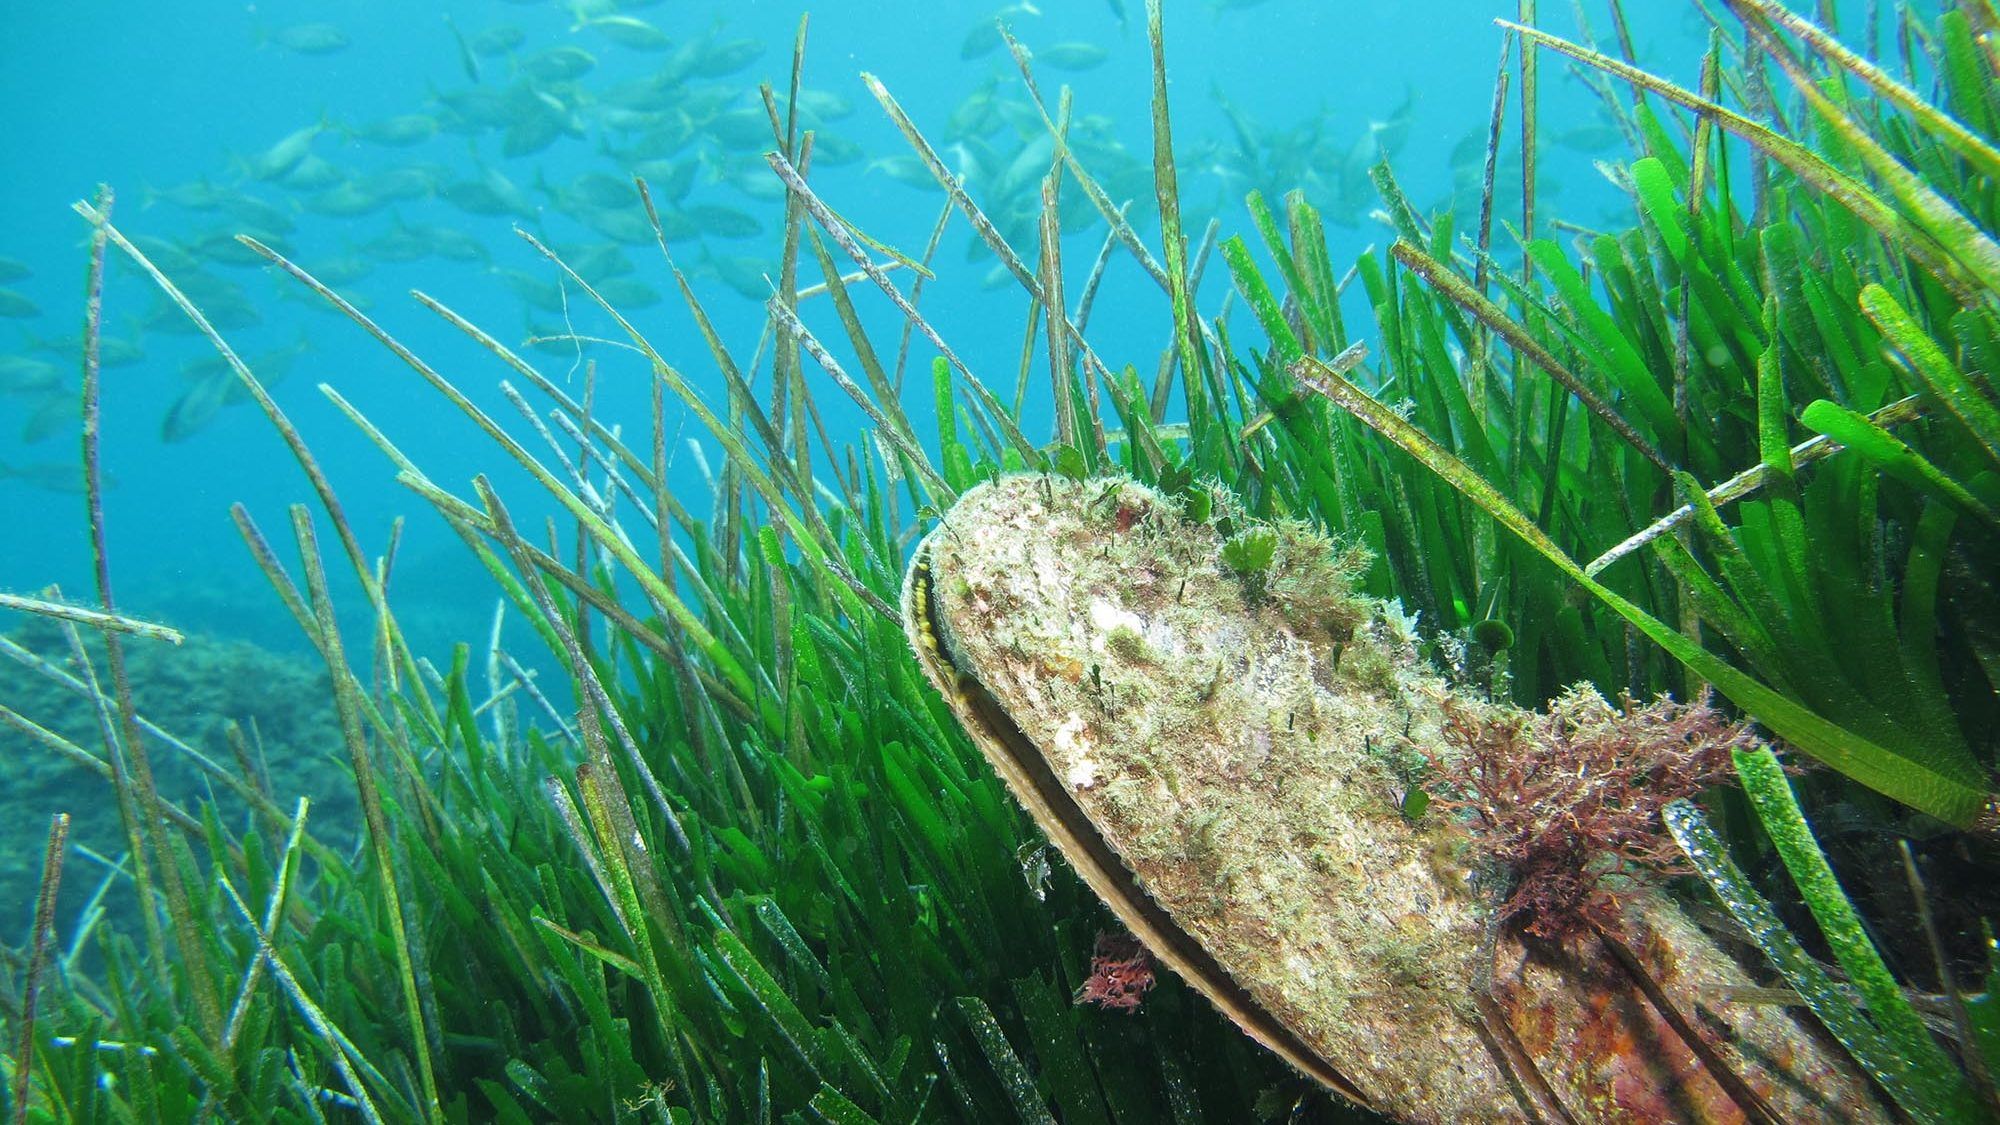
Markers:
{"x": 1217, "y": 755}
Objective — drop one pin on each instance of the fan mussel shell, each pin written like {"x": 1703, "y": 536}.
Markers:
{"x": 1220, "y": 755}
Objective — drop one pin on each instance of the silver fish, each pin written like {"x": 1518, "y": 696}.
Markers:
{"x": 15, "y": 306}
{"x": 630, "y": 32}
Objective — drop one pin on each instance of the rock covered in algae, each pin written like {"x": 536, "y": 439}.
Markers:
{"x": 1222, "y": 753}
{"x": 195, "y": 691}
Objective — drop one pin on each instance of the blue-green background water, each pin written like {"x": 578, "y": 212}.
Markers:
{"x": 153, "y": 98}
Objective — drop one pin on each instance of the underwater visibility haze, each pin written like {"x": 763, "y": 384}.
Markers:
{"x": 1102, "y": 561}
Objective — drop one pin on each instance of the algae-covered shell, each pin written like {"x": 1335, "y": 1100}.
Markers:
{"x": 1217, "y": 753}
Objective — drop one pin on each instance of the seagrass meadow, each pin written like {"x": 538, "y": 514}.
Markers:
{"x": 720, "y": 851}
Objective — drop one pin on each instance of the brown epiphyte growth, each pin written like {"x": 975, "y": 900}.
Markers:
{"x": 1568, "y": 799}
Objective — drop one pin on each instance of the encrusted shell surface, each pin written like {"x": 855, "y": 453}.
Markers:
{"x": 1220, "y": 755}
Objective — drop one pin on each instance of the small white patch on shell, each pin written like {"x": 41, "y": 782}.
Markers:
{"x": 1302, "y": 968}
{"x": 1072, "y": 743}
{"x": 1106, "y": 618}
{"x": 1402, "y": 625}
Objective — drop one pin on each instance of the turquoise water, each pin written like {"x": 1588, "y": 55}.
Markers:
{"x": 391, "y": 147}
{"x": 191, "y": 103}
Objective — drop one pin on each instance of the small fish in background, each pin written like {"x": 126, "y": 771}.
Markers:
{"x": 1023, "y": 173}
{"x": 1391, "y": 134}
{"x": 978, "y": 114}
{"x": 410, "y": 242}
{"x": 165, "y": 316}
{"x": 708, "y": 57}
{"x": 700, "y": 103}
{"x": 311, "y": 302}
{"x": 750, "y": 175}
{"x": 197, "y": 407}
{"x": 207, "y": 289}
{"x": 629, "y": 225}
{"x": 285, "y": 155}
{"x": 746, "y": 274}
{"x": 51, "y": 476}
{"x": 538, "y": 293}
{"x": 589, "y": 192}
{"x": 724, "y": 222}
{"x": 670, "y": 181}
{"x": 619, "y": 119}
{"x": 491, "y": 194}
{"x": 595, "y": 261}
{"x": 26, "y": 375}
{"x": 306, "y": 38}
{"x": 199, "y": 195}
{"x": 1074, "y": 56}
{"x": 1468, "y": 156}
{"x": 984, "y": 37}
{"x": 112, "y": 351}
{"x": 397, "y": 245}
{"x": 1591, "y": 139}
{"x": 345, "y": 200}
{"x": 682, "y": 121}
{"x": 399, "y": 131}
{"x": 51, "y": 414}
{"x": 14, "y": 269}
{"x": 115, "y": 352}
{"x": 629, "y": 32}
{"x": 212, "y": 385}
{"x": 533, "y": 131}
{"x": 343, "y": 270}
{"x": 221, "y": 247}
{"x": 904, "y": 168}
{"x": 746, "y": 129}
{"x": 558, "y": 64}
{"x": 467, "y": 58}
{"x": 649, "y": 95}
{"x": 258, "y": 217}
{"x": 472, "y": 110}
{"x": 14, "y": 306}
{"x": 821, "y": 106}
{"x": 1331, "y": 168}
{"x": 222, "y": 301}
{"x": 653, "y": 148}
{"x": 833, "y": 151}
{"x": 496, "y": 41}
{"x": 314, "y": 173}
{"x": 165, "y": 253}
{"x": 1468, "y": 173}
{"x": 1118, "y": 13}
{"x": 627, "y": 293}
{"x": 408, "y": 182}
